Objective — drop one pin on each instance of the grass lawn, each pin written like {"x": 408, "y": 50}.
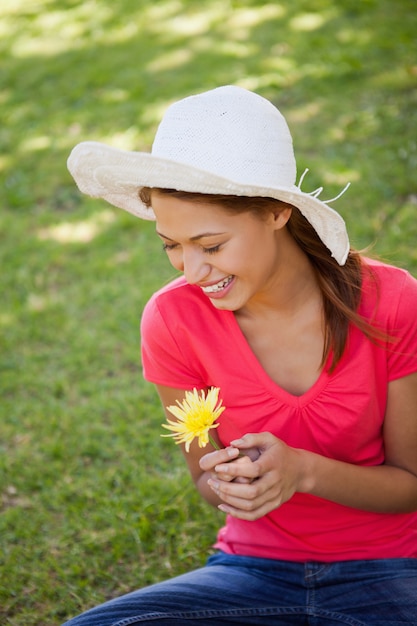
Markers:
{"x": 93, "y": 502}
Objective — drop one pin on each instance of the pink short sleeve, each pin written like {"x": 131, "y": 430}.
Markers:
{"x": 402, "y": 354}
{"x": 164, "y": 359}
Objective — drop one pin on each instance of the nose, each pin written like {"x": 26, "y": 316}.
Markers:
{"x": 194, "y": 266}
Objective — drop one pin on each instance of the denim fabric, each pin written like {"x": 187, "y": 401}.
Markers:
{"x": 244, "y": 590}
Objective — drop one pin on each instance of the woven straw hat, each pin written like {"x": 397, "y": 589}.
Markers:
{"x": 224, "y": 141}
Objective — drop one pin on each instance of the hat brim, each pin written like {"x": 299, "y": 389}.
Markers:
{"x": 115, "y": 175}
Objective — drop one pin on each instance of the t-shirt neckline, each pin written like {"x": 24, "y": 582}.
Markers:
{"x": 263, "y": 377}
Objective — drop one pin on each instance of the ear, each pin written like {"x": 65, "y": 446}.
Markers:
{"x": 280, "y": 217}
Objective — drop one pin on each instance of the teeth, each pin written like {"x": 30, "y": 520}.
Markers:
{"x": 218, "y": 286}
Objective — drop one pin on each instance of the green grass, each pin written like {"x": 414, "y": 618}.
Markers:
{"x": 93, "y": 502}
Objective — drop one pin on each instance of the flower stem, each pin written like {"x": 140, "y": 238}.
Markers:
{"x": 213, "y": 443}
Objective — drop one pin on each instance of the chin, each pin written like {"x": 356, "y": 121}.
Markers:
{"x": 226, "y": 304}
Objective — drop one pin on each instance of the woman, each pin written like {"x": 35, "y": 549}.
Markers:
{"x": 314, "y": 350}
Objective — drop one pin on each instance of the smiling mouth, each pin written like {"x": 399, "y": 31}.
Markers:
{"x": 222, "y": 284}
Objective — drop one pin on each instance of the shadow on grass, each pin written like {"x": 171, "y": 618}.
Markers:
{"x": 343, "y": 73}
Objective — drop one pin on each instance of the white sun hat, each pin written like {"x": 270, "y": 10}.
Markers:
{"x": 227, "y": 141}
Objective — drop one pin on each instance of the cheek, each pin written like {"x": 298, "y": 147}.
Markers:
{"x": 176, "y": 259}
{"x": 261, "y": 260}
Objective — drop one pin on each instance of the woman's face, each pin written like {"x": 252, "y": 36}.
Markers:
{"x": 233, "y": 258}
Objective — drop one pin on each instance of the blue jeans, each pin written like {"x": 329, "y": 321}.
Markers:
{"x": 244, "y": 590}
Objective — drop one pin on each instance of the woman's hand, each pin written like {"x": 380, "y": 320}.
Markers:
{"x": 251, "y": 486}
{"x": 213, "y": 460}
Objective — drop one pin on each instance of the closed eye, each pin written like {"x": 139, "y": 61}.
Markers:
{"x": 212, "y": 250}
{"x": 169, "y": 246}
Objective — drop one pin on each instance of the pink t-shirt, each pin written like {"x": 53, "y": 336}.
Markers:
{"x": 187, "y": 343}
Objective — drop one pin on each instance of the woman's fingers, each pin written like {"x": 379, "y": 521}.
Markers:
{"x": 225, "y": 455}
{"x": 245, "y": 501}
{"x": 249, "y": 489}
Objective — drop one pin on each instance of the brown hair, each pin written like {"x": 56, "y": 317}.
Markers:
{"x": 340, "y": 285}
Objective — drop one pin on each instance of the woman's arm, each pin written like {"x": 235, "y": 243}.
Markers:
{"x": 281, "y": 471}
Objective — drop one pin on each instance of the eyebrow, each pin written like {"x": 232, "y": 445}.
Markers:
{"x": 195, "y": 238}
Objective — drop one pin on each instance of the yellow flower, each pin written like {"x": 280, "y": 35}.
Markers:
{"x": 196, "y": 415}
